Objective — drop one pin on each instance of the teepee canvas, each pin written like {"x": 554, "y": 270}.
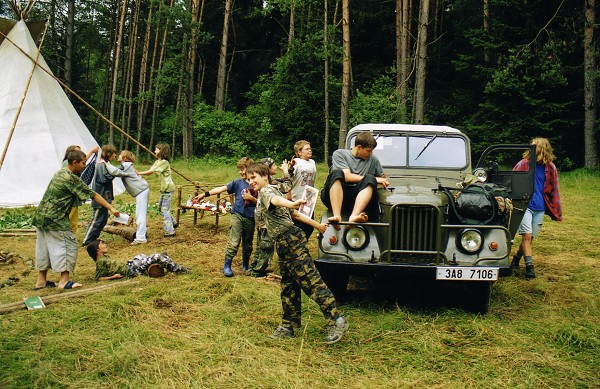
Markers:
{"x": 46, "y": 125}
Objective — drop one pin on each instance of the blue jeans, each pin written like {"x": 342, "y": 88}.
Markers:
{"x": 165, "y": 209}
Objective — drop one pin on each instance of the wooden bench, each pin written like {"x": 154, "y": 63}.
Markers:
{"x": 194, "y": 190}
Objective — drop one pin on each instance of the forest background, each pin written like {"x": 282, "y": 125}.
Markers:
{"x": 250, "y": 77}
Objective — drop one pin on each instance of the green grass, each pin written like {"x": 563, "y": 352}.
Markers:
{"x": 205, "y": 330}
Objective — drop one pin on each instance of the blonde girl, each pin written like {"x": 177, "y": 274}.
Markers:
{"x": 137, "y": 187}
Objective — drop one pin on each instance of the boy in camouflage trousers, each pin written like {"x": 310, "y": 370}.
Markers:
{"x": 298, "y": 271}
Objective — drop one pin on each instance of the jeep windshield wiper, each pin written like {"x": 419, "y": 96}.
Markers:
{"x": 426, "y": 146}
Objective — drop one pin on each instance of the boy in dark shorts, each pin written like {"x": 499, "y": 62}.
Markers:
{"x": 153, "y": 265}
{"x": 298, "y": 271}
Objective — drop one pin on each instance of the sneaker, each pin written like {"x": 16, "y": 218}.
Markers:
{"x": 337, "y": 330}
{"x": 169, "y": 235}
{"x": 529, "y": 272}
{"x": 139, "y": 241}
{"x": 282, "y": 332}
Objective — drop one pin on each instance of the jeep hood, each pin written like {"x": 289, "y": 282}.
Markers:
{"x": 416, "y": 190}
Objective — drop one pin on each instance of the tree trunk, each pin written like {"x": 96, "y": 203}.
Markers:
{"x": 403, "y": 59}
{"x": 129, "y": 73}
{"x": 345, "y": 74}
{"x": 142, "y": 99}
{"x": 115, "y": 71}
{"x": 589, "y": 86}
{"x": 326, "y": 79}
{"x": 69, "y": 45}
{"x": 220, "y": 95}
{"x": 188, "y": 131}
{"x": 486, "y": 28}
{"x": 421, "y": 63}
{"x": 157, "y": 93}
{"x": 292, "y": 26}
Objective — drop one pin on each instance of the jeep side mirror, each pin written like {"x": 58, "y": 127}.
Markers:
{"x": 492, "y": 168}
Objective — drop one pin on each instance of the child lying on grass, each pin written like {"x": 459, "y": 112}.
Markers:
{"x": 153, "y": 265}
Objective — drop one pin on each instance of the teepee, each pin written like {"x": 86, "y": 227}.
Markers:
{"x": 46, "y": 125}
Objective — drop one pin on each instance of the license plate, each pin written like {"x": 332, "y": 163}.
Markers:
{"x": 467, "y": 273}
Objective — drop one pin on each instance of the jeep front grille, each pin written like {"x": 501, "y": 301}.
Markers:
{"x": 414, "y": 234}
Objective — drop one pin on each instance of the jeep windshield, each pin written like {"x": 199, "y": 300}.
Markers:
{"x": 437, "y": 151}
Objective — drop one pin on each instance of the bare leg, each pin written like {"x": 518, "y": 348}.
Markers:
{"x": 64, "y": 278}
{"x": 361, "y": 202}
{"x": 525, "y": 247}
{"x": 336, "y": 197}
{"x": 41, "y": 279}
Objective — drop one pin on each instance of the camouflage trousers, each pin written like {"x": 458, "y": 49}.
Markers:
{"x": 140, "y": 263}
{"x": 263, "y": 253}
{"x": 298, "y": 272}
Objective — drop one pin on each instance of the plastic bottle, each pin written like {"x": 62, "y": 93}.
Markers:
{"x": 188, "y": 203}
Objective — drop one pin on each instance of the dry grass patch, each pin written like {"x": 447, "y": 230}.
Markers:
{"x": 205, "y": 330}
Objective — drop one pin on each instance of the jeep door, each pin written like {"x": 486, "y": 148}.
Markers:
{"x": 498, "y": 161}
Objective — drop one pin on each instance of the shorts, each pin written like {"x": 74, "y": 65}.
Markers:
{"x": 532, "y": 222}
{"x": 56, "y": 250}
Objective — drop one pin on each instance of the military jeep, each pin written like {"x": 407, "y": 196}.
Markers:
{"x": 439, "y": 219}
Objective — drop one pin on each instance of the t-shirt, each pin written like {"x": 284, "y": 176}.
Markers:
{"x": 305, "y": 174}
{"x": 163, "y": 168}
{"x": 63, "y": 192}
{"x": 106, "y": 267}
{"x": 537, "y": 200}
{"x": 343, "y": 159}
{"x": 236, "y": 187}
{"x": 277, "y": 219}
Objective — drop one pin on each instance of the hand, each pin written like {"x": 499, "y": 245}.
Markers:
{"x": 383, "y": 181}
{"x": 322, "y": 227}
{"x": 115, "y": 212}
{"x": 285, "y": 166}
{"x": 199, "y": 197}
{"x": 95, "y": 149}
{"x": 296, "y": 204}
{"x": 246, "y": 195}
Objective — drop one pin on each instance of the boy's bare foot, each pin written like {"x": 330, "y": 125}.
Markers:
{"x": 360, "y": 218}
{"x": 334, "y": 220}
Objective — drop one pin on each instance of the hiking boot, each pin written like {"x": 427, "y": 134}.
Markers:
{"x": 337, "y": 330}
{"x": 156, "y": 271}
{"x": 529, "y": 273}
{"x": 514, "y": 265}
{"x": 282, "y": 332}
{"x": 245, "y": 264}
{"x": 227, "y": 272}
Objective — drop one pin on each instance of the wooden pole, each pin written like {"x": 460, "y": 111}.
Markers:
{"x": 65, "y": 295}
{"x": 71, "y": 91}
{"x": 14, "y": 124}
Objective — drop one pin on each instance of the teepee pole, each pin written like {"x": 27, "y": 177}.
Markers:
{"x": 14, "y": 124}
{"x": 71, "y": 91}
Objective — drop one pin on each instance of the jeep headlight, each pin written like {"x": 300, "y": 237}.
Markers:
{"x": 355, "y": 238}
{"x": 470, "y": 240}
{"x": 480, "y": 174}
